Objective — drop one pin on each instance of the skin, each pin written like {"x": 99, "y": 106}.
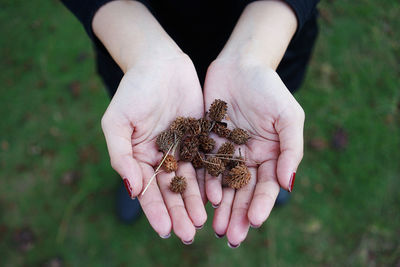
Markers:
{"x": 244, "y": 76}
{"x": 160, "y": 83}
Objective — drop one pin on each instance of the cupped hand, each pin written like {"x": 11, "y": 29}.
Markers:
{"x": 151, "y": 95}
{"x": 260, "y": 103}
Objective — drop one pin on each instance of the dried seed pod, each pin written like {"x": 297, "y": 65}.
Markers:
{"x": 165, "y": 140}
{"x": 178, "y": 184}
{"x": 207, "y": 144}
{"x": 221, "y": 130}
{"x": 205, "y": 125}
{"x": 238, "y": 177}
{"x": 189, "y": 148}
{"x": 224, "y": 181}
{"x": 170, "y": 164}
{"x": 179, "y": 126}
{"x": 214, "y": 166}
{"x": 193, "y": 126}
{"x": 197, "y": 161}
{"x": 218, "y": 110}
{"x": 234, "y": 162}
{"x": 239, "y": 136}
{"x": 226, "y": 150}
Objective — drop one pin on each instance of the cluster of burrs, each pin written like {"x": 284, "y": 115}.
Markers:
{"x": 188, "y": 139}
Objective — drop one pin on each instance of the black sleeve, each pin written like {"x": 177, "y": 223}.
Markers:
{"x": 304, "y": 10}
{"x": 84, "y": 10}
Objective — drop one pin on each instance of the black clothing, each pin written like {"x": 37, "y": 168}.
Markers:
{"x": 201, "y": 29}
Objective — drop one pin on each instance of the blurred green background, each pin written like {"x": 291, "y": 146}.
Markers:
{"x": 57, "y": 187}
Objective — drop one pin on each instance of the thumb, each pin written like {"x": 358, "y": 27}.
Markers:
{"x": 118, "y": 138}
{"x": 289, "y": 127}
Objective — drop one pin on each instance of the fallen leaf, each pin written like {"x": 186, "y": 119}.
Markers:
{"x": 318, "y": 144}
{"x": 70, "y": 177}
{"x": 89, "y": 154}
{"x": 313, "y": 226}
{"x": 340, "y": 139}
{"x": 75, "y": 89}
{"x": 4, "y": 145}
{"x": 24, "y": 239}
{"x": 54, "y": 262}
{"x": 82, "y": 56}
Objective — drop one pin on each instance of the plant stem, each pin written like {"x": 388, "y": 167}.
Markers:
{"x": 156, "y": 171}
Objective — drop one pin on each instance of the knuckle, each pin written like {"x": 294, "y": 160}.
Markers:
{"x": 301, "y": 113}
{"x": 104, "y": 121}
{"x": 301, "y": 154}
{"x": 115, "y": 163}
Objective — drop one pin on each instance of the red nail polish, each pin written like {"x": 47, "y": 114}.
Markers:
{"x": 128, "y": 187}
{"x": 291, "y": 181}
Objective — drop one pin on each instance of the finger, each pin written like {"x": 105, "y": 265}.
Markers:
{"x": 290, "y": 129}
{"x": 239, "y": 222}
{"x": 212, "y": 183}
{"x": 265, "y": 194}
{"x": 191, "y": 197}
{"x": 223, "y": 212}
{"x": 153, "y": 204}
{"x": 118, "y": 138}
{"x": 213, "y": 189}
{"x": 201, "y": 182}
{"x": 181, "y": 223}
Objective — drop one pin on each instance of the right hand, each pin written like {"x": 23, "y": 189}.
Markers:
{"x": 150, "y": 96}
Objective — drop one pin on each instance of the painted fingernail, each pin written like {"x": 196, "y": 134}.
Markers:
{"x": 291, "y": 181}
{"x": 215, "y": 206}
{"x": 198, "y": 227}
{"x": 187, "y": 242}
{"x": 233, "y": 246}
{"x": 255, "y": 226}
{"x": 219, "y": 236}
{"x": 128, "y": 187}
{"x": 165, "y": 236}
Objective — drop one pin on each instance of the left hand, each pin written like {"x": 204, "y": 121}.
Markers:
{"x": 260, "y": 103}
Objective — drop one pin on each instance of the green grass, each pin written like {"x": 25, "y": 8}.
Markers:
{"x": 345, "y": 209}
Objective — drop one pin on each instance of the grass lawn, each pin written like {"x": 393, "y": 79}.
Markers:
{"x": 57, "y": 187}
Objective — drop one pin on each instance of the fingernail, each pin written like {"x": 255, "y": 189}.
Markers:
{"x": 187, "y": 242}
{"x": 128, "y": 187}
{"x": 198, "y": 227}
{"x": 233, "y": 246}
{"x": 219, "y": 236}
{"x": 291, "y": 181}
{"x": 215, "y": 206}
{"x": 165, "y": 236}
{"x": 255, "y": 226}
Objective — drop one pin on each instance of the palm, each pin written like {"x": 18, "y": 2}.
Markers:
{"x": 148, "y": 98}
{"x": 152, "y": 99}
{"x": 258, "y": 102}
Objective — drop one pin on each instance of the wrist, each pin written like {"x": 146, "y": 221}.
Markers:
{"x": 132, "y": 35}
{"x": 262, "y": 34}
{"x": 151, "y": 54}
{"x": 244, "y": 55}
{"x": 160, "y": 62}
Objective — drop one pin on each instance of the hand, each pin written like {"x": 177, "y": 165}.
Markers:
{"x": 160, "y": 83}
{"x": 258, "y": 102}
{"x": 150, "y": 96}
